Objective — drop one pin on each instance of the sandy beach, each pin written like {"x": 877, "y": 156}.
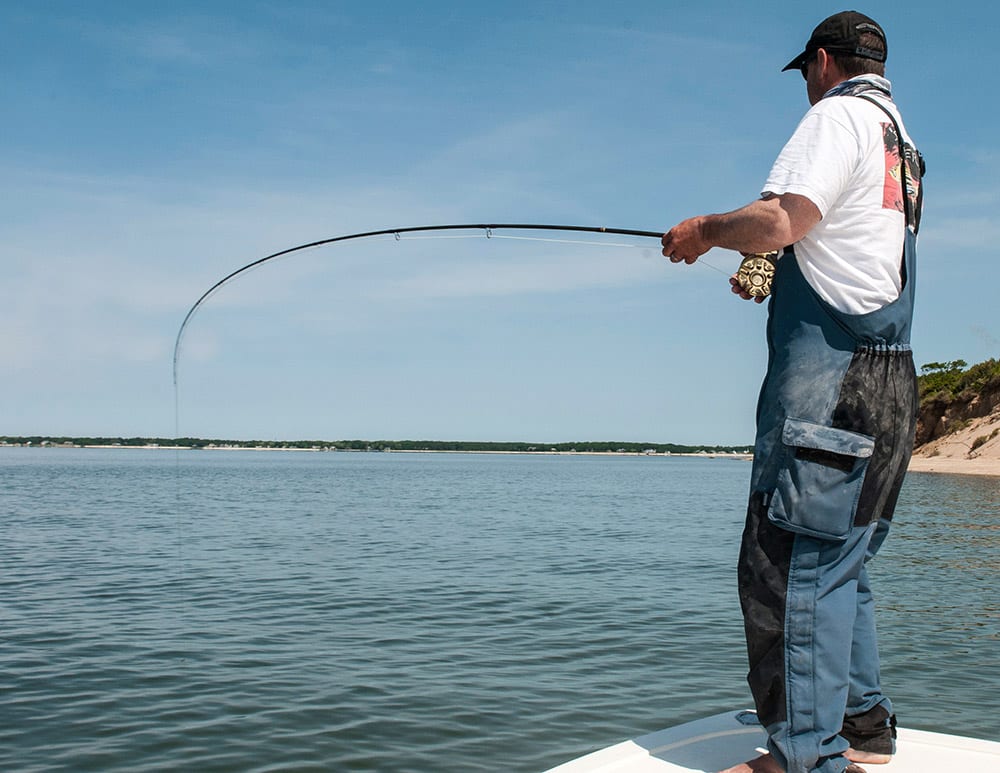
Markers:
{"x": 972, "y": 450}
{"x": 953, "y": 466}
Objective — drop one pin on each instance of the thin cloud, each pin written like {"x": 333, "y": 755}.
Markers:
{"x": 179, "y": 41}
{"x": 550, "y": 274}
{"x": 979, "y": 233}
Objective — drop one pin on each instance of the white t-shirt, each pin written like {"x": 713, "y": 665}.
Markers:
{"x": 839, "y": 158}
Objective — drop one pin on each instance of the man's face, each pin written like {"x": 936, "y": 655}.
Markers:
{"x": 811, "y": 72}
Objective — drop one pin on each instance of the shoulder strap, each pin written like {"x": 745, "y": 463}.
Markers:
{"x": 912, "y": 218}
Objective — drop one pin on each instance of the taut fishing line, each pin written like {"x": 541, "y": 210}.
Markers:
{"x": 435, "y": 232}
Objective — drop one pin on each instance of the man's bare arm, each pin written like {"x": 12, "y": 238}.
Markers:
{"x": 769, "y": 223}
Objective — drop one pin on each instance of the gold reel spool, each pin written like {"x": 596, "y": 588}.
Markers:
{"x": 756, "y": 272}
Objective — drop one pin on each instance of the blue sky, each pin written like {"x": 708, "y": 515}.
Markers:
{"x": 151, "y": 148}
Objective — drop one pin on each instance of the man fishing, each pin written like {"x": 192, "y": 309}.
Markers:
{"x": 837, "y": 410}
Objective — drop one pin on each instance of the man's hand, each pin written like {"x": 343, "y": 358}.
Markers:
{"x": 686, "y": 241}
{"x": 737, "y": 288}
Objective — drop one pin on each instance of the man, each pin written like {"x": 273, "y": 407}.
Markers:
{"x": 837, "y": 410}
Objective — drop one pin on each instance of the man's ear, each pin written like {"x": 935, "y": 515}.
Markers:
{"x": 823, "y": 61}
{"x": 829, "y": 70}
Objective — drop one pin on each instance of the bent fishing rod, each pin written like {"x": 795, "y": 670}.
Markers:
{"x": 754, "y": 274}
{"x": 488, "y": 228}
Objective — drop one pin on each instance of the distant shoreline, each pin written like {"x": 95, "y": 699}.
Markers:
{"x": 377, "y": 445}
{"x": 161, "y": 447}
{"x": 980, "y": 466}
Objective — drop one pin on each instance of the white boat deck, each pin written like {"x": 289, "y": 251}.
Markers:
{"x": 717, "y": 742}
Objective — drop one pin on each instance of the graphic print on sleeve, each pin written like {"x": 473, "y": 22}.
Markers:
{"x": 892, "y": 193}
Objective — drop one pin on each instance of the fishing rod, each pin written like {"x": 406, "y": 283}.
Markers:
{"x": 753, "y": 283}
{"x": 487, "y": 227}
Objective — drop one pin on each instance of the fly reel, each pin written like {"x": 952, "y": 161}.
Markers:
{"x": 756, "y": 272}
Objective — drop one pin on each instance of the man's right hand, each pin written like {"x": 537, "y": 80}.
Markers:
{"x": 737, "y": 289}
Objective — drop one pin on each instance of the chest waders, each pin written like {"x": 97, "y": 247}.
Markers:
{"x": 835, "y": 427}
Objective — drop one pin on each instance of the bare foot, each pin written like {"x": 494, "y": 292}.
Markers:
{"x": 767, "y": 764}
{"x": 869, "y": 758}
{"x": 763, "y": 764}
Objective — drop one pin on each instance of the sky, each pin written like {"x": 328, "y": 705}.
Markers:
{"x": 149, "y": 149}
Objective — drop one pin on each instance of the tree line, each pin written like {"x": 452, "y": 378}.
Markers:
{"x": 944, "y": 381}
{"x": 378, "y": 445}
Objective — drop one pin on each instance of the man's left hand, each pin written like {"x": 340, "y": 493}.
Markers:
{"x": 737, "y": 288}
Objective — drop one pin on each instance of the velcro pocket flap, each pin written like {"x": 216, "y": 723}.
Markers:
{"x": 799, "y": 433}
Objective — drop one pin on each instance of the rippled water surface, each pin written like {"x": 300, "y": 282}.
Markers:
{"x": 261, "y": 611}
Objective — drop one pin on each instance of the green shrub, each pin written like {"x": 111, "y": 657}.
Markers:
{"x": 983, "y": 439}
{"x": 942, "y": 381}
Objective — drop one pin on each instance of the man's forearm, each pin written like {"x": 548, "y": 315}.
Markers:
{"x": 763, "y": 225}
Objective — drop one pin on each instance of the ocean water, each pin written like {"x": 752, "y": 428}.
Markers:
{"x": 266, "y": 611}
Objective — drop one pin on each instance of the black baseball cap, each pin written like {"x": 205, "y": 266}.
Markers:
{"x": 840, "y": 34}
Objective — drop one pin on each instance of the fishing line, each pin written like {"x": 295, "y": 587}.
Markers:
{"x": 567, "y": 241}
{"x": 491, "y": 237}
{"x": 408, "y": 233}
{"x": 184, "y": 512}
{"x": 398, "y": 234}
{"x": 631, "y": 245}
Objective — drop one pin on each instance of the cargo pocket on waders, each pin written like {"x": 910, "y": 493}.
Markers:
{"x": 820, "y": 479}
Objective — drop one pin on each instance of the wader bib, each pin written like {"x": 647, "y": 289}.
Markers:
{"x": 835, "y": 426}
